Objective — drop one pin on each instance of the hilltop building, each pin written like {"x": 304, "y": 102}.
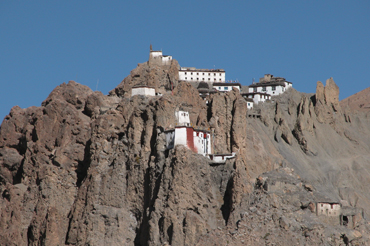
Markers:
{"x": 192, "y": 74}
{"x": 270, "y": 85}
{"x": 196, "y": 140}
{"x": 156, "y": 58}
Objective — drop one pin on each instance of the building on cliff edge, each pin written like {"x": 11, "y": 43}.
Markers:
{"x": 156, "y": 58}
{"x": 197, "y": 140}
{"x": 192, "y": 74}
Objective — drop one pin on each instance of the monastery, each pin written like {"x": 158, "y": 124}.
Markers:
{"x": 207, "y": 82}
{"x": 197, "y": 140}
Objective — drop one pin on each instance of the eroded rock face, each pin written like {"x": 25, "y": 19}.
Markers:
{"x": 162, "y": 78}
{"x": 90, "y": 169}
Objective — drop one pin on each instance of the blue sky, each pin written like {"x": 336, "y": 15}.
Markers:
{"x": 46, "y": 43}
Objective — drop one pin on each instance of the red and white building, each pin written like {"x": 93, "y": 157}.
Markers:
{"x": 197, "y": 140}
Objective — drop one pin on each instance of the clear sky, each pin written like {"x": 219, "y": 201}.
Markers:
{"x": 46, "y": 43}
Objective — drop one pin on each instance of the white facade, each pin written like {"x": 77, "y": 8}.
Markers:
{"x": 225, "y": 87}
{"x": 257, "y": 97}
{"x": 221, "y": 158}
{"x": 249, "y": 103}
{"x": 196, "y": 140}
{"x": 157, "y": 58}
{"x": 328, "y": 209}
{"x": 192, "y": 74}
{"x": 202, "y": 142}
{"x": 182, "y": 118}
{"x": 272, "y": 89}
{"x": 143, "y": 90}
{"x": 180, "y": 136}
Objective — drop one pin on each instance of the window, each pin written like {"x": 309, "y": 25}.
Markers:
{"x": 220, "y": 79}
{"x": 273, "y": 88}
{"x": 191, "y": 78}
{"x": 203, "y": 73}
{"x": 197, "y": 73}
{"x": 214, "y": 74}
{"x": 220, "y": 74}
{"x": 226, "y": 88}
{"x": 197, "y": 78}
{"x": 255, "y": 89}
{"x": 191, "y": 73}
{"x": 219, "y": 88}
{"x": 214, "y": 79}
{"x": 249, "y": 104}
{"x": 185, "y": 73}
{"x": 209, "y": 79}
{"x": 186, "y": 78}
{"x": 263, "y": 88}
{"x": 209, "y": 73}
{"x": 203, "y": 79}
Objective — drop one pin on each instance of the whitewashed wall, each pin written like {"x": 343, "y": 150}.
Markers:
{"x": 145, "y": 91}
{"x": 328, "y": 209}
{"x": 182, "y": 118}
{"x": 180, "y": 136}
{"x": 225, "y": 88}
{"x": 206, "y": 76}
{"x": 269, "y": 89}
{"x": 259, "y": 98}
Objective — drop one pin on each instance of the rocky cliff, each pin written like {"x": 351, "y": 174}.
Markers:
{"x": 90, "y": 169}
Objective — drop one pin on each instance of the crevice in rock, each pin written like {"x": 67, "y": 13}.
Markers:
{"x": 227, "y": 206}
{"x": 17, "y": 178}
{"x": 84, "y": 165}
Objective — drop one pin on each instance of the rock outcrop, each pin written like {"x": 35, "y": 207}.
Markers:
{"x": 90, "y": 169}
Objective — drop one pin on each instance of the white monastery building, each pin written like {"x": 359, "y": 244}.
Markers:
{"x": 270, "y": 85}
{"x": 196, "y": 140}
{"x": 257, "y": 97}
{"x": 157, "y": 58}
{"x": 225, "y": 87}
{"x": 143, "y": 90}
{"x": 192, "y": 74}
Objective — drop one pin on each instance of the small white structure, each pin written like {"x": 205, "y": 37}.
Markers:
{"x": 221, "y": 158}
{"x": 249, "y": 102}
{"x": 143, "y": 90}
{"x": 328, "y": 209}
{"x": 225, "y": 87}
{"x": 156, "y": 57}
{"x": 192, "y": 74}
{"x": 257, "y": 97}
{"x": 270, "y": 85}
{"x": 197, "y": 140}
{"x": 182, "y": 118}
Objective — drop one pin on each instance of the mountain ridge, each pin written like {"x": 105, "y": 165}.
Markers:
{"x": 85, "y": 168}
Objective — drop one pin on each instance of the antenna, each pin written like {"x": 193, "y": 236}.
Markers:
{"x": 97, "y": 83}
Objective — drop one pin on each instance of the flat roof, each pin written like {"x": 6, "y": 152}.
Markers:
{"x": 272, "y": 83}
{"x": 228, "y": 84}
{"x": 201, "y": 69}
{"x": 253, "y": 93}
